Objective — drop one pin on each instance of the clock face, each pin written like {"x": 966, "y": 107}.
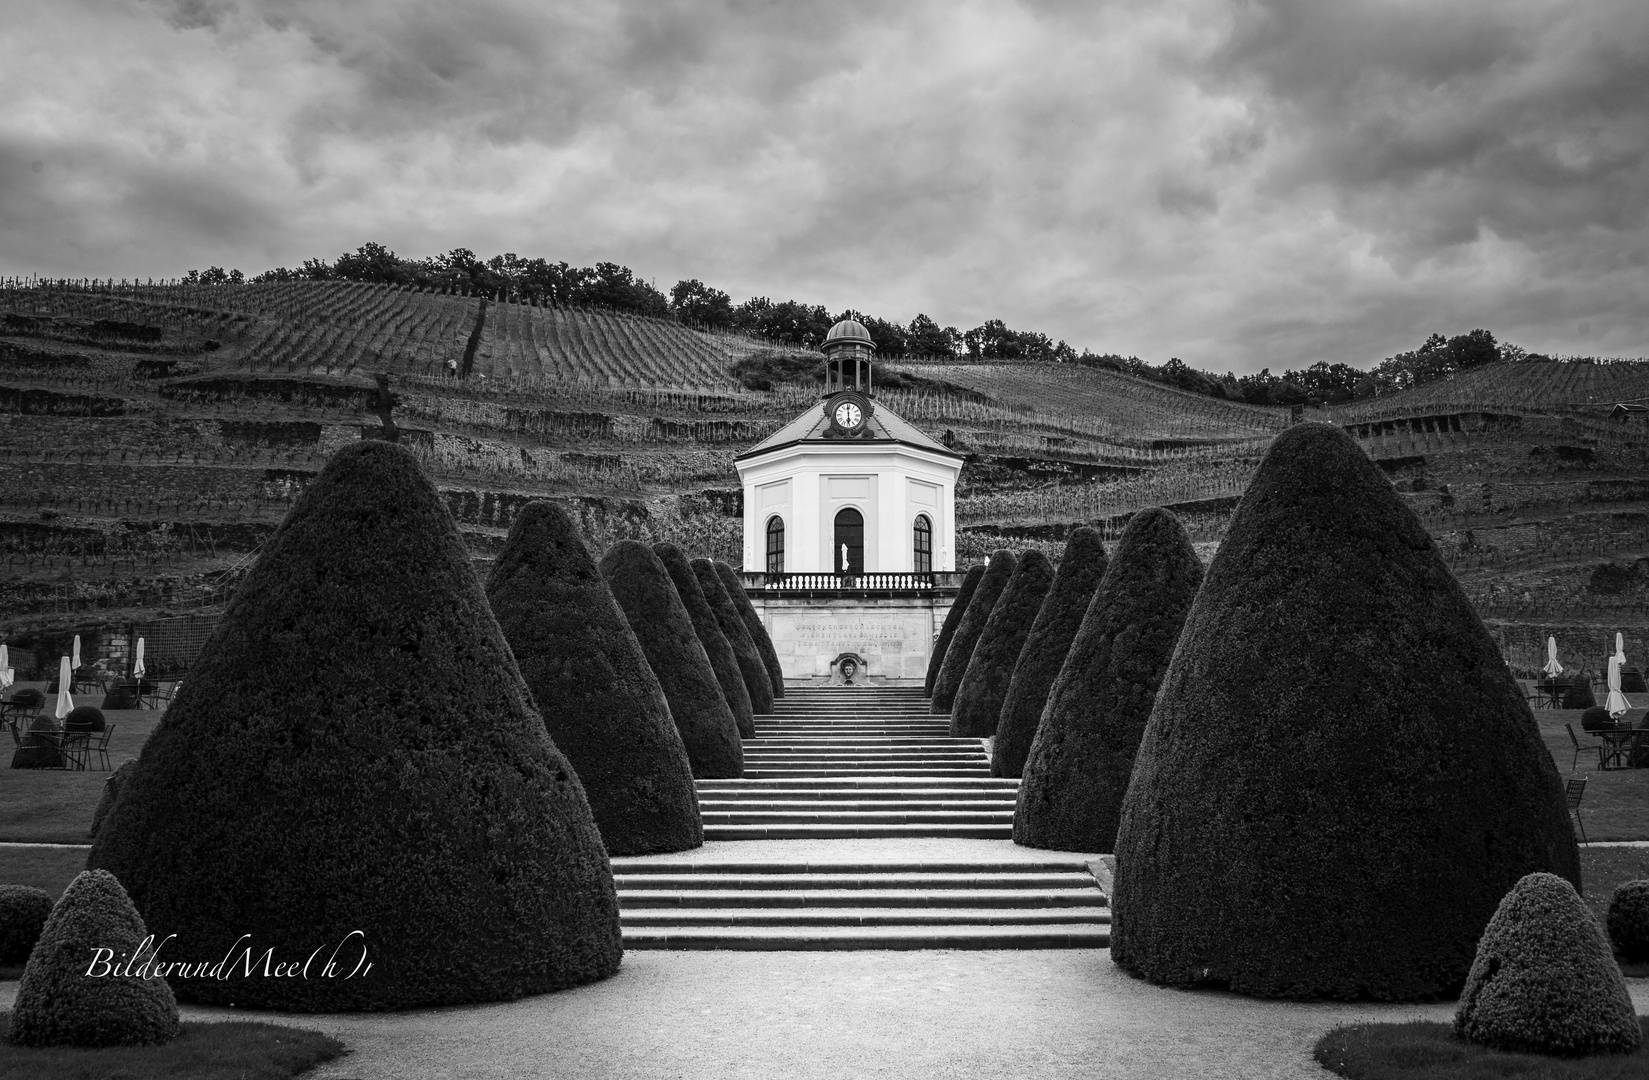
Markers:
{"x": 848, "y": 415}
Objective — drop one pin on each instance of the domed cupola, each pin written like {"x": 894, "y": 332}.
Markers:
{"x": 848, "y": 351}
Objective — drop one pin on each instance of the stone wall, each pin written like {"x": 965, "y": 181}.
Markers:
{"x": 894, "y": 635}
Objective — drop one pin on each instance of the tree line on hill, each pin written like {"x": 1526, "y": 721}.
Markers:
{"x": 794, "y": 322}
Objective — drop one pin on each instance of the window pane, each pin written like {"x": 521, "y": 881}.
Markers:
{"x": 775, "y": 545}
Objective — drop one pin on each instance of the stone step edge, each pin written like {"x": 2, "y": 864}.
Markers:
{"x": 902, "y": 939}
{"x": 786, "y": 917}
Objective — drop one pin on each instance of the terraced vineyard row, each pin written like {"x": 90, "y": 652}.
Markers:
{"x": 1521, "y": 387}
{"x": 1104, "y": 404}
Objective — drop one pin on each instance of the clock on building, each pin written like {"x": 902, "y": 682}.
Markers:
{"x": 848, "y": 412}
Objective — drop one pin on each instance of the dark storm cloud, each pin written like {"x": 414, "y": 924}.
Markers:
{"x": 1235, "y": 182}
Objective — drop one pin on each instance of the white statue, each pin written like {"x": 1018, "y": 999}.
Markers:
{"x": 844, "y": 559}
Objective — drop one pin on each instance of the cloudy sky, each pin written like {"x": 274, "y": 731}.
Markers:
{"x": 1240, "y": 183}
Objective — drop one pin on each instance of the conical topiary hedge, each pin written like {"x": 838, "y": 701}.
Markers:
{"x": 24, "y": 910}
{"x": 716, "y": 647}
{"x": 1628, "y": 920}
{"x": 1339, "y": 779}
{"x": 600, "y": 701}
{"x": 111, "y": 792}
{"x": 754, "y": 672}
{"x": 953, "y": 619}
{"x": 1080, "y": 569}
{"x": 1077, "y": 771}
{"x": 960, "y": 651}
{"x": 978, "y": 704}
{"x": 66, "y": 999}
{"x": 1544, "y": 981}
{"x": 649, "y": 600}
{"x": 355, "y": 750}
{"x": 753, "y": 624}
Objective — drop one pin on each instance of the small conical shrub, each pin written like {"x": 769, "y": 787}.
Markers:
{"x": 1080, "y": 569}
{"x": 751, "y": 668}
{"x": 23, "y": 913}
{"x": 953, "y": 619}
{"x": 1543, "y": 980}
{"x": 66, "y": 999}
{"x": 649, "y": 600}
{"x": 1629, "y": 920}
{"x": 960, "y": 651}
{"x": 1339, "y": 779}
{"x": 716, "y": 647}
{"x": 1079, "y": 764}
{"x": 753, "y": 625}
{"x": 355, "y": 750}
{"x": 111, "y": 792}
{"x": 978, "y": 704}
{"x": 600, "y": 701}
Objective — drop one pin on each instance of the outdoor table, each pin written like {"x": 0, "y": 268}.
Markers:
{"x": 1551, "y": 694}
{"x": 1618, "y": 743}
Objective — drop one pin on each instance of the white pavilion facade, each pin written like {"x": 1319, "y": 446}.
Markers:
{"x": 850, "y": 527}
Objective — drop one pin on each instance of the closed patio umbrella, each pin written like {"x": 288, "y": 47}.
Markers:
{"x": 5, "y": 668}
{"x": 1552, "y": 667}
{"x": 1617, "y": 701}
{"x": 137, "y": 664}
{"x": 75, "y": 655}
{"x": 65, "y": 700}
{"x": 1620, "y": 648}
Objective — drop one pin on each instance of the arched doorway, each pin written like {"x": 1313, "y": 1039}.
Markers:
{"x": 848, "y": 547}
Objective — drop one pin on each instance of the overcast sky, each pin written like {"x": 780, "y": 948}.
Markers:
{"x": 1240, "y": 183}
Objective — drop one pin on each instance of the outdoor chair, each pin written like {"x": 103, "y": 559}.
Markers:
{"x": 1573, "y": 790}
{"x": 99, "y": 746}
{"x": 75, "y": 748}
{"x": 1570, "y": 728}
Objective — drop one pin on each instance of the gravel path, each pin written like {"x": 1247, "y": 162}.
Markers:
{"x": 928, "y": 1015}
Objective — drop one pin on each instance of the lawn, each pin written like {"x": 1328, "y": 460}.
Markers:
{"x": 53, "y": 806}
{"x": 1616, "y": 804}
{"x": 1429, "y": 1051}
{"x": 233, "y": 1050}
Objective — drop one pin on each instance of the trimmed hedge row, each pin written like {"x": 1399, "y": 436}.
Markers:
{"x": 600, "y": 701}
{"x": 953, "y": 619}
{"x": 716, "y": 647}
{"x": 978, "y": 704}
{"x": 1078, "y": 768}
{"x": 753, "y": 624}
{"x": 1306, "y": 817}
{"x": 355, "y": 750}
{"x": 754, "y": 673}
{"x": 1040, "y": 661}
{"x": 650, "y": 602}
{"x": 960, "y": 651}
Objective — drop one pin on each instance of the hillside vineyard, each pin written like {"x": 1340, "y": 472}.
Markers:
{"x": 156, "y": 434}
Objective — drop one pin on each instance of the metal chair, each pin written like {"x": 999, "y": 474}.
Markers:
{"x": 100, "y": 747}
{"x": 1570, "y": 728}
{"x": 74, "y": 747}
{"x": 1573, "y": 791}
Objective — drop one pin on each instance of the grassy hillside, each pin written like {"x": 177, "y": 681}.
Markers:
{"x": 154, "y": 435}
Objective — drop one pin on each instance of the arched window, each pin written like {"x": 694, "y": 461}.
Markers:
{"x": 847, "y": 551}
{"x": 775, "y": 545}
{"x": 923, "y": 535}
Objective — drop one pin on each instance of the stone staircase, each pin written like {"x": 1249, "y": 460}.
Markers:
{"x": 869, "y": 764}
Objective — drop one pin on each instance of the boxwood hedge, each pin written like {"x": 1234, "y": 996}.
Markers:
{"x": 751, "y": 668}
{"x": 953, "y": 619}
{"x": 650, "y": 602}
{"x": 1339, "y": 779}
{"x": 998, "y": 572}
{"x": 716, "y": 647}
{"x": 355, "y": 750}
{"x": 978, "y": 704}
{"x": 1080, "y": 568}
{"x": 1078, "y": 768}
{"x": 753, "y": 624}
{"x": 600, "y": 701}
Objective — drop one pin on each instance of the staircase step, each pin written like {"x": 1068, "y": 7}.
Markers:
{"x": 651, "y": 917}
{"x": 867, "y": 783}
{"x": 652, "y": 864}
{"x": 830, "y": 938}
{"x": 629, "y": 881}
{"x": 881, "y": 898}
{"x": 853, "y": 832}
